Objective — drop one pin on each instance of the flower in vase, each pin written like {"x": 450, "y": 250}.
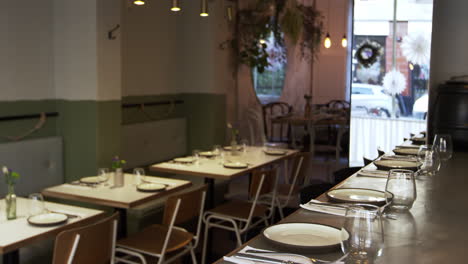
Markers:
{"x": 117, "y": 163}
{"x": 10, "y": 176}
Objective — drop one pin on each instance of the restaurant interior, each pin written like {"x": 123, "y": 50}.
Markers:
{"x": 233, "y": 131}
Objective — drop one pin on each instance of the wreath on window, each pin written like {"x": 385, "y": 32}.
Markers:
{"x": 368, "y": 52}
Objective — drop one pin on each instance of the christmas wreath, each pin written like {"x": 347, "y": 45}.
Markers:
{"x": 368, "y": 52}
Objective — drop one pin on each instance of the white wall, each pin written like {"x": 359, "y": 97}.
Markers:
{"x": 26, "y": 50}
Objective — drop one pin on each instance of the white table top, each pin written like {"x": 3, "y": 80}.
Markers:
{"x": 255, "y": 157}
{"x": 123, "y": 197}
{"x": 18, "y": 232}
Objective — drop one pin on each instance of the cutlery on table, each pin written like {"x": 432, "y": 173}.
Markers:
{"x": 263, "y": 259}
{"x": 314, "y": 260}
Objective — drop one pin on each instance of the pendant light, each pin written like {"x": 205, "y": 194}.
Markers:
{"x": 175, "y": 6}
{"x": 204, "y": 8}
{"x": 344, "y": 40}
{"x": 139, "y": 2}
{"x": 327, "y": 42}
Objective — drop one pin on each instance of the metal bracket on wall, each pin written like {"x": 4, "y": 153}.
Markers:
{"x": 110, "y": 33}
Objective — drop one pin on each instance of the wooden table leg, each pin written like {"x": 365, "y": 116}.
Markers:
{"x": 11, "y": 257}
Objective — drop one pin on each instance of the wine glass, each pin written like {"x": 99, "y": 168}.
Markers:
{"x": 196, "y": 156}
{"x": 36, "y": 204}
{"x": 103, "y": 174}
{"x": 244, "y": 143}
{"x": 217, "y": 150}
{"x": 362, "y": 233}
{"x": 402, "y": 187}
{"x": 139, "y": 174}
{"x": 443, "y": 144}
{"x": 429, "y": 159}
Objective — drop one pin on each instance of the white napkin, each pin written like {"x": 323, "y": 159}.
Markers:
{"x": 280, "y": 256}
{"x": 373, "y": 173}
{"x": 323, "y": 208}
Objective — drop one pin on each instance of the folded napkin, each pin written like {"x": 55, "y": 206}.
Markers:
{"x": 279, "y": 256}
{"x": 373, "y": 173}
{"x": 314, "y": 205}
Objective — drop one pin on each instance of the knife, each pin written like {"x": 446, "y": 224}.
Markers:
{"x": 263, "y": 259}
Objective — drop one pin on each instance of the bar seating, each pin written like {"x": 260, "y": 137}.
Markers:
{"x": 94, "y": 243}
{"x": 241, "y": 216}
{"x": 168, "y": 242}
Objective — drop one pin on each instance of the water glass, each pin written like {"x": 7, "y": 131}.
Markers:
{"x": 36, "y": 204}
{"x": 402, "y": 189}
{"x": 443, "y": 144}
{"x": 103, "y": 174}
{"x": 139, "y": 174}
{"x": 362, "y": 233}
{"x": 196, "y": 156}
{"x": 429, "y": 159}
{"x": 217, "y": 150}
{"x": 244, "y": 144}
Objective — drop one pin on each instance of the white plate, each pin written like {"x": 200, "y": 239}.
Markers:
{"x": 396, "y": 164}
{"x": 275, "y": 152}
{"x": 92, "y": 180}
{"x": 185, "y": 160}
{"x": 235, "y": 165}
{"x": 356, "y": 195}
{"x": 230, "y": 148}
{"x": 151, "y": 187}
{"x": 406, "y": 151}
{"x": 47, "y": 219}
{"x": 207, "y": 154}
{"x": 304, "y": 235}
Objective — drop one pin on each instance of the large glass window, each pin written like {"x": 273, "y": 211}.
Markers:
{"x": 269, "y": 84}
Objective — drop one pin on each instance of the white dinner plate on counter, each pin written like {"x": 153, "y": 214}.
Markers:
{"x": 396, "y": 164}
{"x": 238, "y": 148}
{"x": 47, "y": 219}
{"x": 406, "y": 151}
{"x": 92, "y": 180}
{"x": 235, "y": 165}
{"x": 357, "y": 195}
{"x": 185, "y": 160}
{"x": 207, "y": 154}
{"x": 275, "y": 152}
{"x": 304, "y": 235}
{"x": 151, "y": 187}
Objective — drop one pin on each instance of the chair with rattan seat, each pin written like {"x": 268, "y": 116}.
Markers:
{"x": 241, "y": 216}
{"x": 94, "y": 243}
{"x": 168, "y": 242}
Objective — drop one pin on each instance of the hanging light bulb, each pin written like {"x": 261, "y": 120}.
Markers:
{"x": 327, "y": 42}
{"x": 344, "y": 41}
{"x": 411, "y": 66}
{"x": 175, "y": 6}
{"x": 204, "y": 8}
{"x": 139, "y": 2}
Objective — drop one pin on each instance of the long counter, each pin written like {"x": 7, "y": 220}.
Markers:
{"x": 434, "y": 231}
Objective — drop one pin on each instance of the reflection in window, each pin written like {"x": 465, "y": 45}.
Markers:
{"x": 269, "y": 84}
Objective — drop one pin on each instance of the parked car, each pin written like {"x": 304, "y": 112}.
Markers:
{"x": 420, "y": 106}
{"x": 370, "y": 99}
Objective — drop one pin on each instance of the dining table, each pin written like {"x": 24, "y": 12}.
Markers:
{"x": 18, "y": 233}
{"x": 434, "y": 230}
{"x": 119, "y": 198}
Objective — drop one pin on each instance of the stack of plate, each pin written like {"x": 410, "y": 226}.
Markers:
{"x": 406, "y": 151}
{"x": 396, "y": 164}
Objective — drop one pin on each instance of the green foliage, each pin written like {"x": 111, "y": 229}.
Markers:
{"x": 292, "y": 23}
{"x": 10, "y": 176}
{"x": 117, "y": 163}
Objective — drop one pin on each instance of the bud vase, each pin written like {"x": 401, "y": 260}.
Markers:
{"x": 118, "y": 177}
{"x": 10, "y": 202}
{"x": 234, "y": 148}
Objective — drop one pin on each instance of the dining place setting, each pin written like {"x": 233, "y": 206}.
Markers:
{"x": 350, "y": 218}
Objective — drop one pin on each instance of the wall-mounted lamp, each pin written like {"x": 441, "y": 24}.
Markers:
{"x": 175, "y": 6}
{"x": 139, "y": 2}
{"x": 204, "y": 8}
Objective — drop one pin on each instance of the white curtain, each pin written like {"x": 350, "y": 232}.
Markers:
{"x": 369, "y": 133}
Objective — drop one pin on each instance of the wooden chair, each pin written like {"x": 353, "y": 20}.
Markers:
{"x": 241, "y": 216}
{"x": 94, "y": 243}
{"x": 270, "y": 111}
{"x": 168, "y": 242}
{"x": 380, "y": 151}
{"x": 338, "y": 104}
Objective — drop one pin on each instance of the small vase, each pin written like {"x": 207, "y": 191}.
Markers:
{"x": 234, "y": 150}
{"x": 119, "y": 178}
{"x": 10, "y": 201}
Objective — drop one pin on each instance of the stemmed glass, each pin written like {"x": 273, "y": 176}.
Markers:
{"x": 36, "y": 204}
{"x": 443, "y": 144}
{"x": 103, "y": 174}
{"x": 196, "y": 156}
{"x": 429, "y": 159}
{"x": 139, "y": 174}
{"x": 400, "y": 190}
{"x": 362, "y": 233}
{"x": 244, "y": 143}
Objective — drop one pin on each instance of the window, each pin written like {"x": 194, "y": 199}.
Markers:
{"x": 269, "y": 84}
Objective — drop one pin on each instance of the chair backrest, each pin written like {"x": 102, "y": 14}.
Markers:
{"x": 270, "y": 111}
{"x": 380, "y": 151}
{"x": 255, "y": 122}
{"x": 259, "y": 186}
{"x": 338, "y": 104}
{"x": 94, "y": 243}
{"x": 183, "y": 207}
{"x": 300, "y": 163}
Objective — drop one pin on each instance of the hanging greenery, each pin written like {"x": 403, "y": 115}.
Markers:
{"x": 302, "y": 24}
